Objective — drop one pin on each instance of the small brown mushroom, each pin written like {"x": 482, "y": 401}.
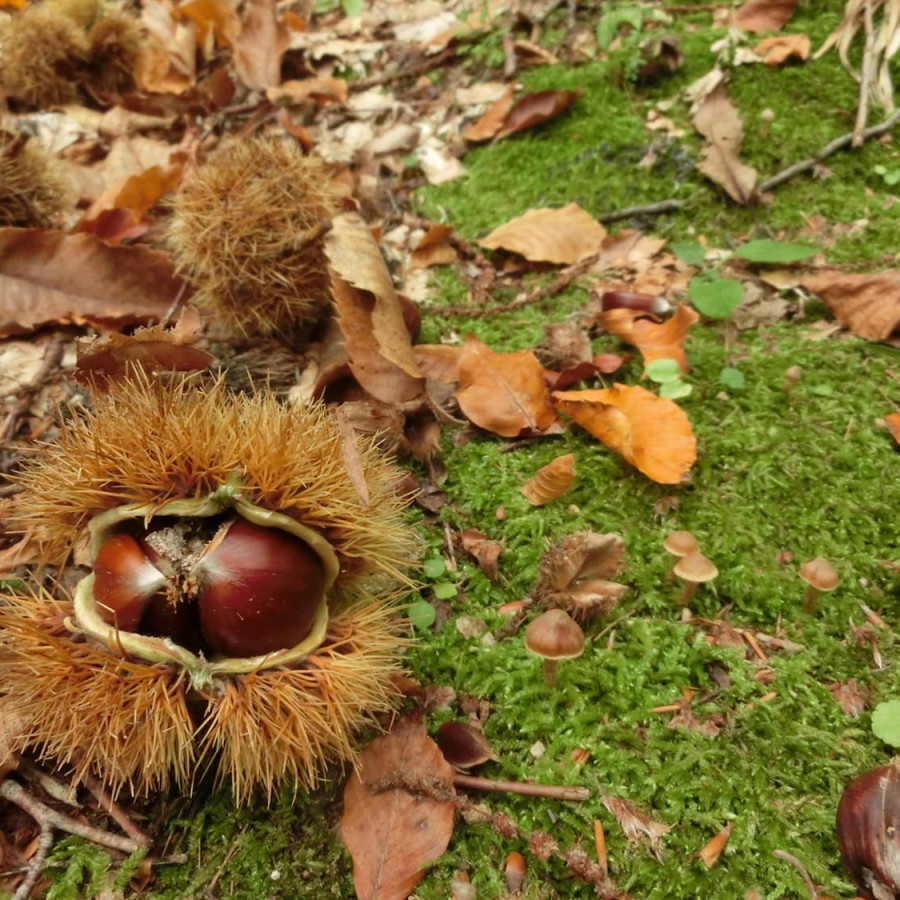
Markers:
{"x": 554, "y": 635}
{"x": 693, "y": 569}
{"x": 821, "y": 576}
{"x": 679, "y": 544}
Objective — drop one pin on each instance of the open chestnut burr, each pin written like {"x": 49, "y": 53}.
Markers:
{"x": 241, "y": 609}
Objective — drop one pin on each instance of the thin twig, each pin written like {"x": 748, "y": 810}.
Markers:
{"x": 114, "y": 811}
{"x": 36, "y": 864}
{"x": 177, "y": 303}
{"x": 649, "y": 209}
{"x": 788, "y": 858}
{"x": 558, "y": 792}
{"x": 53, "y": 354}
{"x": 865, "y": 80}
{"x": 49, "y": 818}
{"x": 839, "y": 143}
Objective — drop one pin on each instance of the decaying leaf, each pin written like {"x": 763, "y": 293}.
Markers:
{"x": 370, "y": 315}
{"x": 149, "y": 349}
{"x": 852, "y": 696}
{"x": 655, "y": 340}
{"x": 713, "y": 850}
{"x": 719, "y": 122}
{"x": 260, "y": 45}
{"x": 892, "y": 423}
{"x": 636, "y": 825}
{"x": 492, "y": 120}
{"x": 48, "y": 277}
{"x": 434, "y": 249}
{"x": 778, "y": 50}
{"x": 765, "y": 15}
{"x": 392, "y": 832}
{"x": 534, "y": 109}
{"x": 485, "y": 551}
{"x": 866, "y": 303}
{"x": 575, "y": 574}
{"x": 652, "y": 433}
{"x": 550, "y": 481}
{"x": 503, "y": 392}
{"x": 562, "y": 236}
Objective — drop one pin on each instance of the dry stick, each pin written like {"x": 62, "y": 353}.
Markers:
{"x": 36, "y": 865}
{"x": 865, "y": 80}
{"x": 117, "y": 814}
{"x": 178, "y": 302}
{"x": 554, "y": 791}
{"x": 787, "y": 857}
{"x": 50, "y": 818}
{"x": 650, "y": 209}
{"x": 829, "y": 149}
{"x": 53, "y": 354}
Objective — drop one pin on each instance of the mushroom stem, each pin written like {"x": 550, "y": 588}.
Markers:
{"x": 812, "y": 598}
{"x": 685, "y": 597}
{"x": 551, "y": 671}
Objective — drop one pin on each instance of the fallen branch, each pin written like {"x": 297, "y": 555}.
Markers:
{"x": 789, "y": 858}
{"x": 553, "y": 791}
{"x": 650, "y": 209}
{"x": 53, "y": 354}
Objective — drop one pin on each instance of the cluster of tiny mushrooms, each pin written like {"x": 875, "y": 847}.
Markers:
{"x": 554, "y": 635}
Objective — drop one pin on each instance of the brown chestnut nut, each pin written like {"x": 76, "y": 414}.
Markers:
{"x": 260, "y": 589}
{"x": 125, "y": 581}
{"x": 634, "y": 300}
{"x": 868, "y": 832}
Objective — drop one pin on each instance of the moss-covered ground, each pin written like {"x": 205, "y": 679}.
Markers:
{"x": 780, "y": 478}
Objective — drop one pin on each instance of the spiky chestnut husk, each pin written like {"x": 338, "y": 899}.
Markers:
{"x": 31, "y": 196}
{"x": 42, "y": 54}
{"x": 247, "y": 229}
{"x": 149, "y": 442}
{"x": 146, "y": 727}
{"x": 115, "y": 47}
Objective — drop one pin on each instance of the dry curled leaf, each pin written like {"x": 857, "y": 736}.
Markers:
{"x": 370, "y": 315}
{"x": 464, "y": 746}
{"x": 655, "y": 340}
{"x": 561, "y": 236}
{"x": 852, "y": 696}
{"x": 652, "y": 433}
{"x": 866, "y": 303}
{"x": 575, "y": 574}
{"x": 719, "y": 122}
{"x": 492, "y": 120}
{"x": 777, "y": 50}
{"x": 713, "y": 850}
{"x": 534, "y": 109}
{"x": 393, "y": 831}
{"x": 550, "y": 481}
{"x": 485, "y": 551}
{"x": 259, "y": 46}
{"x": 892, "y": 423}
{"x": 503, "y": 392}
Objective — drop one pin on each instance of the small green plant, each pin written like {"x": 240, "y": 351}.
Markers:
{"x": 421, "y": 612}
{"x": 668, "y": 375}
{"x": 886, "y": 722}
{"x": 889, "y": 176}
{"x": 774, "y": 252}
{"x": 732, "y": 378}
{"x": 715, "y": 297}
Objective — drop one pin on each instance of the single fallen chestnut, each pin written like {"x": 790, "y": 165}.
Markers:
{"x": 868, "y": 832}
{"x": 241, "y": 606}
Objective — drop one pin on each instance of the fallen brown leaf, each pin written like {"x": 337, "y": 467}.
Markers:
{"x": 852, "y": 697}
{"x": 562, "y": 236}
{"x": 533, "y": 109}
{"x": 868, "y": 303}
{"x": 719, "y": 122}
{"x": 492, "y": 120}
{"x": 713, "y": 850}
{"x": 652, "y": 433}
{"x": 369, "y": 314}
{"x": 892, "y": 423}
{"x": 260, "y": 45}
{"x": 777, "y": 50}
{"x": 485, "y": 551}
{"x": 216, "y": 16}
{"x": 48, "y": 277}
{"x": 393, "y": 832}
{"x": 503, "y": 392}
{"x": 636, "y": 825}
{"x": 765, "y": 15}
{"x": 550, "y": 481}
{"x": 434, "y": 249}
{"x": 655, "y": 340}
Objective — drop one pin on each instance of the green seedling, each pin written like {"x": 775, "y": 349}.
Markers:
{"x": 886, "y": 722}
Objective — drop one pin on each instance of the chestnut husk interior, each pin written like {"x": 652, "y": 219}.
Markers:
{"x": 202, "y": 671}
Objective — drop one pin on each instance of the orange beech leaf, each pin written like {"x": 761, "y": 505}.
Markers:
{"x": 652, "y": 433}
{"x": 492, "y": 120}
{"x": 711, "y": 852}
{"x": 533, "y": 109}
{"x": 765, "y": 15}
{"x": 866, "y": 303}
{"x": 434, "y": 249}
{"x": 563, "y": 236}
{"x": 655, "y": 340}
{"x": 503, "y": 392}
{"x": 394, "y": 833}
{"x": 550, "y": 481}
{"x": 485, "y": 551}
{"x": 777, "y": 50}
{"x": 14, "y": 4}
{"x": 893, "y": 425}
{"x": 218, "y": 16}
{"x": 259, "y": 47}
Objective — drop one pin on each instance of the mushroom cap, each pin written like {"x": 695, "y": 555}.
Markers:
{"x": 555, "y": 635}
{"x": 695, "y": 567}
{"x": 819, "y": 573}
{"x": 681, "y": 543}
